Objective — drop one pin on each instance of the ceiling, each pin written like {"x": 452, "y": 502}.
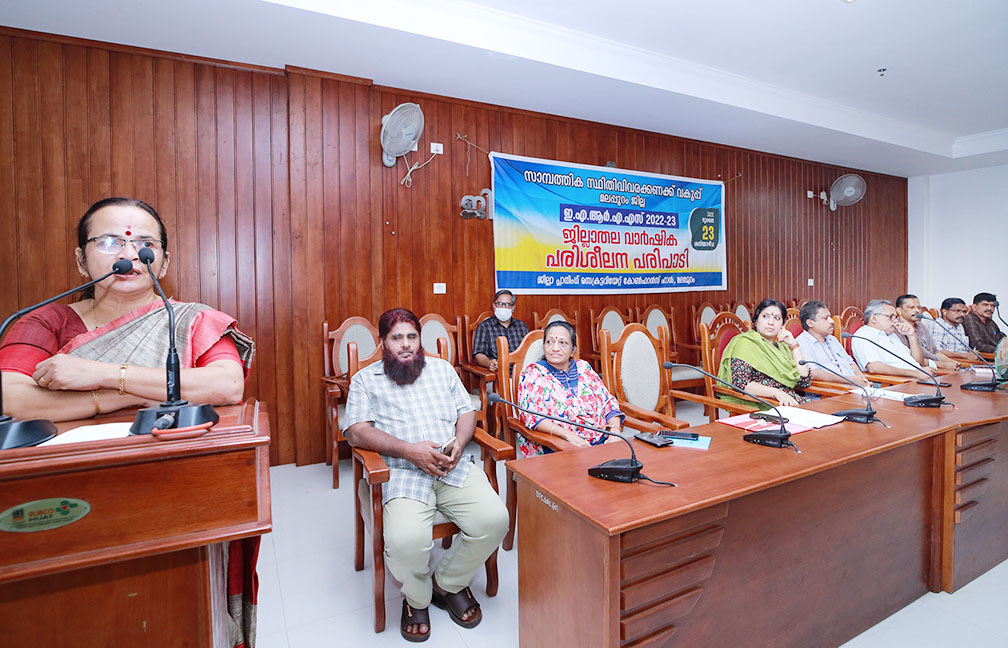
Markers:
{"x": 791, "y": 77}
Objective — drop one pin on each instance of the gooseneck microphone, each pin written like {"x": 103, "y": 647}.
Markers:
{"x": 617, "y": 470}
{"x": 774, "y": 438}
{"x": 21, "y": 434}
{"x": 866, "y": 415}
{"x": 917, "y": 400}
{"x": 174, "y": 412}
{"x": 976, "y": 385}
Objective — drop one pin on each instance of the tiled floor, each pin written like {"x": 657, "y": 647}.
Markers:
{"x": 310, "y": 596}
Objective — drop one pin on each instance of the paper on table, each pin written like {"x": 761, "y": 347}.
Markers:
{"x": 808, "y": 418}
{"x": 750, "y": 424}
{"x": 984, "y": 373}
{"x": 875, "y": 392}
{"x": 92, "y": 433}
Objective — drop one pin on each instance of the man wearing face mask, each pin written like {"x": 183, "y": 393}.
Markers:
{"x": 502, "y": 323}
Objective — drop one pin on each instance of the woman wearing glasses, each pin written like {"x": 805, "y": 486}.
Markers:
{"x": 560, "y": 386}
{"x": 108, "y": 350}
{"x": 764, "y": 361}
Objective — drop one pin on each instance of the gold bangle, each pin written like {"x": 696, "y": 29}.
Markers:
{"x": 122, "y": 379}
{"x": 97, "y": 405}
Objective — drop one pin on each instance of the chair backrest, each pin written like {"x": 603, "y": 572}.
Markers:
{"x": 715, "y": 337}
{"x": 703, "y": 314}
{"x": 466, "y": 335}
{"x": 851, "y": 319}
{"x": 792, "y": 312}
{"x": 353, "y": 329}
{"x": 850, "y": 312}
{"x": 433, "y": 327}
{"x": 552, "y": 315}
{"x": 837, "y": 329}
{"x": 632, "y": 367}
{"x": 793, "y": 324}
{"x": 743, "y": 311}
{"x": 654, "y": 317}
{"x": 610, "y": 319}
{"x": 510, "y": 363}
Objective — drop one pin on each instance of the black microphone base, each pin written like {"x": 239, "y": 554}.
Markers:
{"x": 924, "y": 400}
{"x": 617, "y": 470}
{"x": 770, "y": 438}
{"x": 981, "y": 386}
{"x": 858, "y": 415}
{"x": 24, "y": 434}
{"x": 184, "y": 415}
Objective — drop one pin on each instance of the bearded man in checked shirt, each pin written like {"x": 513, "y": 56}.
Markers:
{"x": 406, "y": 408}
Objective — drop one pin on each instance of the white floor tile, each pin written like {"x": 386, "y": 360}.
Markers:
{"x": 275, "y": 640}
{"x": 920, "y": 626}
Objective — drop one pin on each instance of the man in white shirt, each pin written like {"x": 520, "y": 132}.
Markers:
{"x": 818, "y": 344}
{"x": 881, "y": 324}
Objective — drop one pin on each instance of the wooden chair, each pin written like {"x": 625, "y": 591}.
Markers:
{"x": 792, "y": 312}
{"x": 743, "y": 311}
{"x": 654, "y": 319}
{"x": 837, "y": 329}
{"x": 703, "y": 313}
{"x": 476, "y": 378}
{"x": 851, "y": 319}
{"x": 613, "y": 320}
{"x": 632, "y": 371}
{"x": 793, "y": 324}
{"x": 433, "y": 327}
{"x": 335, "y": 381}
{"x": 510, "y": 364}
{"x": 370, "y": 472}
{"x": 553, "y": 315}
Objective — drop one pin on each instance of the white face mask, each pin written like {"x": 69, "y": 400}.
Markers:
{"x": 503, "y": 314}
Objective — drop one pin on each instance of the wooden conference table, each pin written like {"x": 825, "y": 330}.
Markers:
{"x": 761, "y": 546}
{"x": 144, "y": 565}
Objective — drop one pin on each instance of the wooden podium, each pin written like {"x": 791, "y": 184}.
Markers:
{"x": 145, "y": 565}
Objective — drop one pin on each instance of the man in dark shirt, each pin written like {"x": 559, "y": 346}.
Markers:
{"x": 982, "y": 331}
{"x": 502, "y": 323}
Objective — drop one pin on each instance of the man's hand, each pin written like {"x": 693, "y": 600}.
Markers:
{"x": 493, "y": 365}
{"x": 426, "y": 456}
{"x": 906, "y": 328}
{"x": 930, "y": 370}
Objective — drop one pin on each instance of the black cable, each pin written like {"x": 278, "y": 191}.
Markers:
{"x": 643, "y": 476}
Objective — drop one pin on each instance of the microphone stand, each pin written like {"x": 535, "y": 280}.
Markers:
{"x": 916, "y": 400}
{"x": 23, "y": 434}
{"x": 866, "y": 415}
{"x": 174, "y": 412}
{"x": 976, "y": 385}
{"x": 774, "y": 438}
{"x": 617, "y": 470}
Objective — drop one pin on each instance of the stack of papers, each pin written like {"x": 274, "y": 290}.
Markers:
{"x": 875, "y": 392}
{"x": 798, "y": 420}
{"x": 91, "y": 433}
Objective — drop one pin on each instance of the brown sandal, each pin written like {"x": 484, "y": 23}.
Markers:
{"x": 457, "y": 605}
{"x": 413, "y": 616}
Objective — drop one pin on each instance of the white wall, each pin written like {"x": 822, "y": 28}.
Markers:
{"x": 958, "y": 235}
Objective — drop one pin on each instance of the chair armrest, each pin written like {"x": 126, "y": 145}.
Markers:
{"x": 499, "y": 450}
{"x": 886, "y": 379}
{"x": 731, "y": 392}
{"x": 376, "y": 471}
{"x": 550, "y": 441}
{"x": 649, "y": 416}
{"x": 479, "y": 372}
{"x": 734, "y": 408}
{"x": 826, "y": 388}
{"x": 986, "y": 356}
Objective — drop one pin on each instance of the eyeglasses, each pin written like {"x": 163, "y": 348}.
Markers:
{"x": 113, "y": 244}
{"x": 891, "y": 316}
{"x": 499, "y": 304}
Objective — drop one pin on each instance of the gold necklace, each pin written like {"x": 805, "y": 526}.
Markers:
{"x": 94, "y": 318}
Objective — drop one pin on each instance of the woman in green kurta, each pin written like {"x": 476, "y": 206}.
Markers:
{"x": 764, "y": 361}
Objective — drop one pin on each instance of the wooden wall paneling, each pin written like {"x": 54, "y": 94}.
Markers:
{"x": 121, "y": 109}
{"x": 366, "y": 221}
{"x": 245, "y": 197}
{"x": 377, "y": 213}
{"x": 9, "y": 297}
{"x": 280, "y": 168}
{"x": 339, "y": 210}
{"x": 165, "y": 137}
{"x": 225, "y": 117}
{"x": 51, "y": 121}
{"x": 143, "y": 129}
{"x": 99, "y": 115}
{"x": 307, "y": 314}
{"x": 206, "y": 185}
{"x": 28, "y": 170}
{"x": 186, "y": 242}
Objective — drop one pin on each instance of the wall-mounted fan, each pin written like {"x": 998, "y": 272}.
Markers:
{"x": 401, "y": 130}
{"x": 845, "y": 190}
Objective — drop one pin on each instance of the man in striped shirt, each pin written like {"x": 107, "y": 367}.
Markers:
{"x": 948, "y": 334}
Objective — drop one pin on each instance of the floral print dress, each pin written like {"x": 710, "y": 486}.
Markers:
{"x": 578, "y": 395}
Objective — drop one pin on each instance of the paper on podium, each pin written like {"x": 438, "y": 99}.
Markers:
{"x": 875, "y": 392}
{"x": 808, "y": 418}
{"x": 92, "y": 433}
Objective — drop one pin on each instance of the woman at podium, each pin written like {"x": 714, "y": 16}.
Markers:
{"x": 108, "y": 350}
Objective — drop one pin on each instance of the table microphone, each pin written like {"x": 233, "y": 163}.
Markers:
{"x": 774, "y": 438}
{"x": 21, "y": 434}
{"x": 976, "y": 385}
{"x": 618, "y": 470}
{"x": 916, "y": 400}
{"x": 174, "y": 412}
{"x": 866, "y": 415}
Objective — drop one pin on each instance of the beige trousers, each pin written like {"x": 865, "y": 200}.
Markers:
{"x": 474, "y": 507}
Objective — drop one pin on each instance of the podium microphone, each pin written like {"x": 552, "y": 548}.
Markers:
{"x": 976, "y": 385}
{"x": 617, "y": 470}
{"x": 22, "y": 434}
{"x": 866, "y": 415}
{"x": 174, "y": 412}
{"x": 774, "y": 438}
{"x": 917, "y": 400}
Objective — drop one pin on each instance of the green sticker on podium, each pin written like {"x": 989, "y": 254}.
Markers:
{"x": 43, "y": 514}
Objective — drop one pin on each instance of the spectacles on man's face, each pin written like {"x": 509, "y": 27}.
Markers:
{"x": 108, "y": 244}
{"x": 500, "y": 304}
